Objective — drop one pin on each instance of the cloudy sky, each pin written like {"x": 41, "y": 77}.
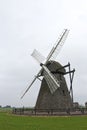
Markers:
{"x": 29, "y": 24}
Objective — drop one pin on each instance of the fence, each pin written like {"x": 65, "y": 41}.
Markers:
{"x": 50, "y": 112}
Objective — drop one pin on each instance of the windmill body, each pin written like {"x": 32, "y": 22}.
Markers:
{"x": 61, "y": 98}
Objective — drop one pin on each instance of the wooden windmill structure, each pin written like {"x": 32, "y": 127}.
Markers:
{"x": 54, "y": 93}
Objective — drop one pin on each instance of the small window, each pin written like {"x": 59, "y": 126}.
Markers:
{"x": 63, "y": 92}
{"x": 60, "y": 77}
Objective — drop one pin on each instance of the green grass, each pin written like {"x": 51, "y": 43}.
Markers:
{"x": 14, "y": 122}
{"x": 8, "y": 110}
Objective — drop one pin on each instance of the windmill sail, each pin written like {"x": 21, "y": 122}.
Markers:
{"x": 40, "y": 58}
{"x": 31, "y": 84}
{"x": 54, "y": 52}
{"x": 51, "y": 80}
{"x": 28, "y": 88}
{"x": 50, "y": 83}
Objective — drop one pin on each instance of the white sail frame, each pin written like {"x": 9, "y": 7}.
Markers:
{"x": 52, "y": 82}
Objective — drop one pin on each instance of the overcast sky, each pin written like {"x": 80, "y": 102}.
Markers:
{"x": 29, "y": 24}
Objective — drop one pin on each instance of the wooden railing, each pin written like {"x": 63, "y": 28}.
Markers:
{"x": 29, "y": 111}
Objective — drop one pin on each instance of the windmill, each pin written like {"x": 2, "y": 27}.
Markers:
{"x": 54, "y": 92}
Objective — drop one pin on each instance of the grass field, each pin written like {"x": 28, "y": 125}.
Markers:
{"x": 14, "y": 122}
